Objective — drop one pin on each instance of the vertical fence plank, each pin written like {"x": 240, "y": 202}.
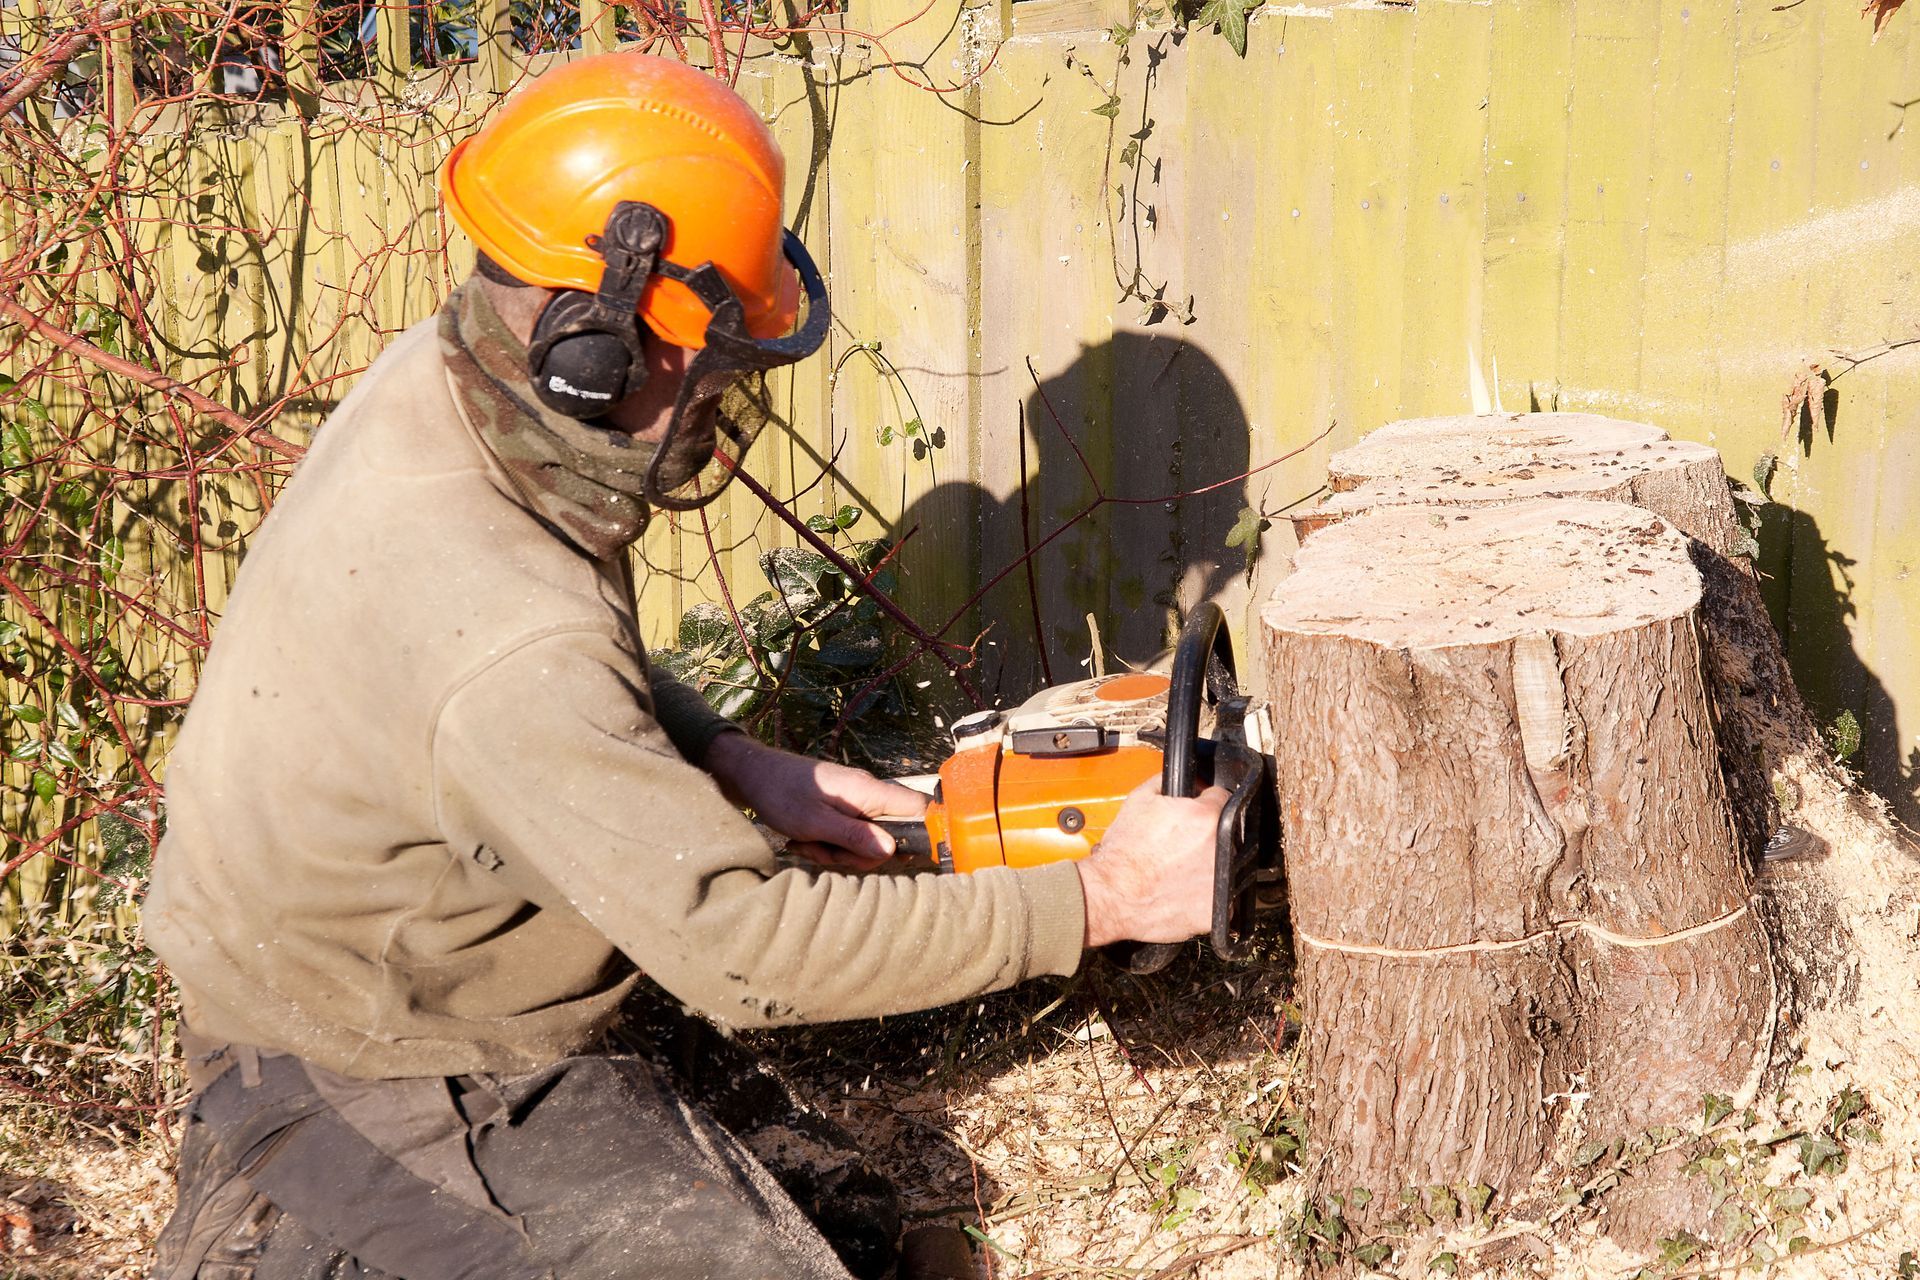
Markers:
{"x": 1446, "y": 209}
{"x": 1615, "y": 53}
{"x": 1526, "y": 194}
{"x": 1686, "y": 218}
{"x": 1373, "y": 59}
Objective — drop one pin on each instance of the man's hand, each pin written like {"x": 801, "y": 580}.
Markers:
{"x": 1151, "y": 878}
{"x": 821, "y": 807}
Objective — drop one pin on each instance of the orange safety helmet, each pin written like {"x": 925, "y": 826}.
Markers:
{"x": 545, "y": 174}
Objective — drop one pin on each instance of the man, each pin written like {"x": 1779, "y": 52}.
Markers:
{"x": 431, "y": 813}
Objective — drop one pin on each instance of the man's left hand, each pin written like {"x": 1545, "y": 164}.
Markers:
{"x": 822, "y": 808}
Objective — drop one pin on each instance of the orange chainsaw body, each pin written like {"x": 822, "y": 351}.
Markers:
{"x": 1043, "y": 783}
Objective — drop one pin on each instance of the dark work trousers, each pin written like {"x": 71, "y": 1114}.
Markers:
{"x": 598, "y": 1166}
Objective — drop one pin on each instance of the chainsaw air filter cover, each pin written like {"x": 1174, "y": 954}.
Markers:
{"x": 1043, "y": 783}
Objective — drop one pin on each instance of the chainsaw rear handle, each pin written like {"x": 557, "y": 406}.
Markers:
{"x": 911, "y": 839}
{"x": 1202, "y": 666}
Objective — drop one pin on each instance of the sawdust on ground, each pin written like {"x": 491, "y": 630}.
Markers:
{"x": 1139, "y": 1128}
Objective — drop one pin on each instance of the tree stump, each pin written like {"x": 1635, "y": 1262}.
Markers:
{"x": 1521, "y": 911}
{"x": 1469, "y": 461}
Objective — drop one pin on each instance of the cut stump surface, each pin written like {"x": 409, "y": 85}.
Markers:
{"x": 1495, "y": 458}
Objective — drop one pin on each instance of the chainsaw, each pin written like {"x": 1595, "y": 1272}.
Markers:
{"x": 1042, "y": 782}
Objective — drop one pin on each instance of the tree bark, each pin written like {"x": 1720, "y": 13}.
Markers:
{"x": 1777, "y": 768}
{"x": 1519, "y": 898}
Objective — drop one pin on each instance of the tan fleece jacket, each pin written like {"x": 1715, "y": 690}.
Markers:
{"x": 423, "y": 818}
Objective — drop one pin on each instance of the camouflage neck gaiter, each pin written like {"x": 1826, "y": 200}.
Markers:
{"x": 584, "y": 481}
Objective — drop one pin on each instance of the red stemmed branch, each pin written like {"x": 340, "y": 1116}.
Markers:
{"x": 153, "y": 380}
{"x": 53, "y": 60}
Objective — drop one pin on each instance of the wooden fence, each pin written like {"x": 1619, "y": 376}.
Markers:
{"x": 1128, "y": 264}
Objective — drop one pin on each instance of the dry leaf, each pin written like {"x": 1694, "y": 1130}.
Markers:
{"x": 1880, "y": 11}
{"x": 1800, "y": 397}
{"x": 16, "y": 1229}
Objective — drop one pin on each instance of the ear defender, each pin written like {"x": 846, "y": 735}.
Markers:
{"x": 587, "y": 352}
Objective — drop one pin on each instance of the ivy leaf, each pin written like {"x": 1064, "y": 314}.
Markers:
{"x": 1246, "y": 532}
{"x": 1247, "y": 529}
{"x": 1230, "y": 17}
{"x": 847, "y": 517}
{"x": 1819, "y": 1153}
{"x": 820, "y": 523}
{"x": 1713, "y": 1109}
{"x": 707, "y": 626}
{"x": 804, "y": 577}
{"x": 1129, "y": 154}
{"x": 1110, "y": 108}
{"x": 1849, "y": 1104}
{"x": 1763, "y": 468}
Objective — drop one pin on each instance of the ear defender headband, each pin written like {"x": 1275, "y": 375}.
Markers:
{"x": 587, "y": 354}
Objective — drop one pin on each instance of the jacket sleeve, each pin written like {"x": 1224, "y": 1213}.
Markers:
{"x": 552, "y": 757}
{"x": 691, "y": 724}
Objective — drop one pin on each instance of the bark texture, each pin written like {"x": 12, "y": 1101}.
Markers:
{"x": 1774, "y": 763}
{"x": 1516, "y": 883}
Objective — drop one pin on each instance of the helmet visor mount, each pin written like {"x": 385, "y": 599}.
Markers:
{"x": 723, "y": 403}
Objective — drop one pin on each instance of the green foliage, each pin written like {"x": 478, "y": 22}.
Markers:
{"x": 1843, "y": 736}
{"x": 810, "y": 656}
{"x": 65, "y": 985}
{"x": 1262, "y": 1152}
{"x": 1245, "y": 535}
{"x": 1229, "y": 18}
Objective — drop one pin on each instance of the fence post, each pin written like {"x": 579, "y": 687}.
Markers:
{"x": 300, "y": 50}
{"x": 119, "y": 77}
{"x": 393, "y": 49}
{"x": 493, "y": 23}
{"x": 597, "y": 30}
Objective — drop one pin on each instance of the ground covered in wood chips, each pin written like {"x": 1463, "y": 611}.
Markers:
{"x": 1153, "y": 1128}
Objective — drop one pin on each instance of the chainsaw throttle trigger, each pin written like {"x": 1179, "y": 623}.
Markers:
{"x": 911, "y": 839}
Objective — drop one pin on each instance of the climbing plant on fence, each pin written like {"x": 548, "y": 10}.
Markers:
{"x": 212, "y": 217}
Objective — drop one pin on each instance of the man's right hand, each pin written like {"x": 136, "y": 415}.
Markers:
{"x": 1151, "y": 878}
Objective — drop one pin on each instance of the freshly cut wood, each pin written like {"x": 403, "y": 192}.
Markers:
{"x": 1521, "y": 910}
{"x": 1477, "y": 460}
